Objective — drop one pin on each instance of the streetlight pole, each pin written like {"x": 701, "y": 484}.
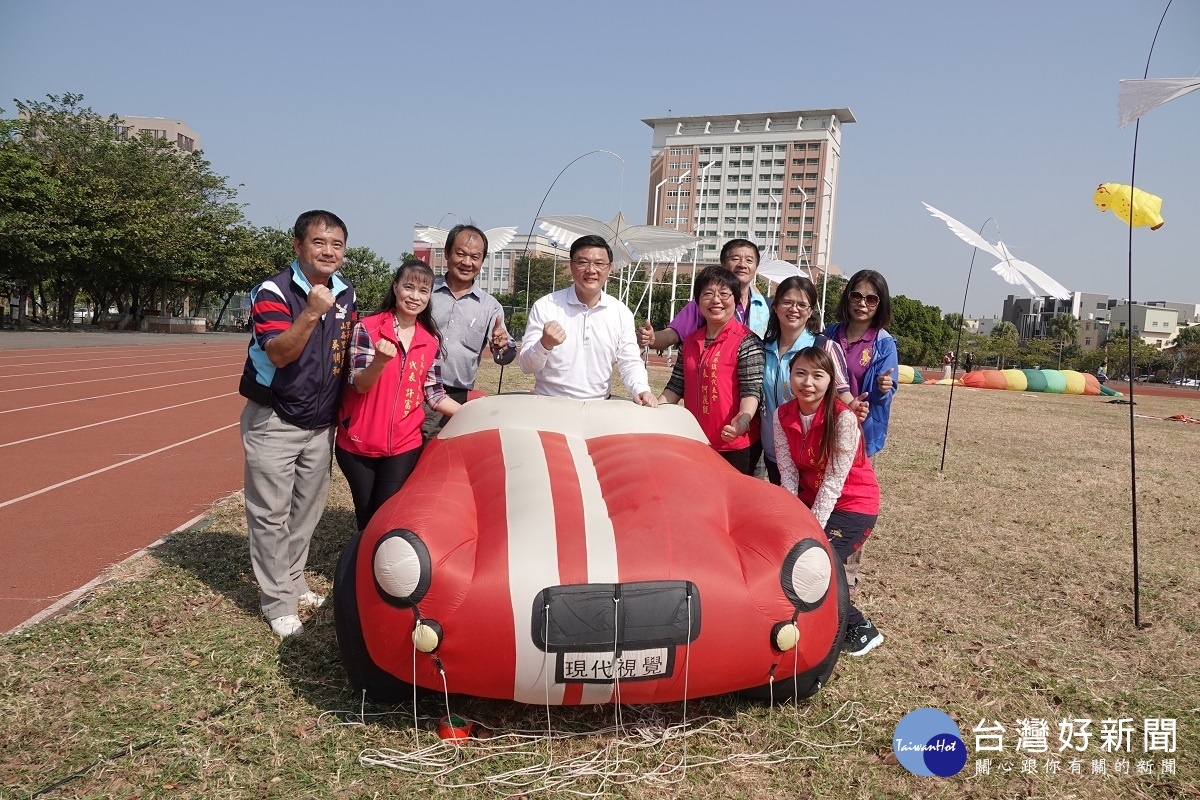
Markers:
{"x": 778, "y": 211}
{"x": 656, "y": 188}
{"x": 654, "y": 264}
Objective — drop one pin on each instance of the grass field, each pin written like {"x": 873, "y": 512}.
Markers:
{"x": 1003, "y": 587}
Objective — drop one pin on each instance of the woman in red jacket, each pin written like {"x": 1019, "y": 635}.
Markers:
{"x": 819, "y": 446}
{"x": 394, "y": 369}
{"x": 719, "y": 373}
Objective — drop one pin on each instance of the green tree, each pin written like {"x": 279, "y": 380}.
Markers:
{"x": 1189, "y": 359}
{"x": 1117, "y": 351}
{"x": 1004, "y": 340}
{"x": 926, "y": 334}
{"x": 829, "y": 294}
{"x": 1036, "y": 354}
{"x": 122, "y": 217}
{"x": 1188, "y": 335}
{"x": 1064, "y": 330}
{"x": 535, "y": 277}
{"x": 370, "y": 274}
{"x": 26, "y": 199}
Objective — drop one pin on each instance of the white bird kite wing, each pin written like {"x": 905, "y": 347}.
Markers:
{"x": 498, "y": 238}
{"x": 1135, "y": 98}
{"x": 963, "y": 232}
{"x": 1012, "y": 275}
{"x": 567, "y": 228}
{"x": 434, "y": 236}
{"x": 1048, "y": 284}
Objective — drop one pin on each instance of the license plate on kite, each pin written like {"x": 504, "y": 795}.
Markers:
{"x": 630, "y": 665}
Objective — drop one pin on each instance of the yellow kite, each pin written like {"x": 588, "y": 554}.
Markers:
{"x": 1146, "y": 208}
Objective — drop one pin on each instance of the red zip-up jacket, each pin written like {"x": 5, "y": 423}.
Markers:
{"x": 860, "y": 493}
{"x": 711, "y": 390}
{"x": 386, "y": 420}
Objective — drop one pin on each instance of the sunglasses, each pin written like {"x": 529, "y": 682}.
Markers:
{"x": 871, "y": 300}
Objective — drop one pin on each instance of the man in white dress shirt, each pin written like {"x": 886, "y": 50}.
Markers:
{"x": 574, "y": 335}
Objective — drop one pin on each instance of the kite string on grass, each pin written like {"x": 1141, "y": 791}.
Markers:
{"x": 640, "y": 752}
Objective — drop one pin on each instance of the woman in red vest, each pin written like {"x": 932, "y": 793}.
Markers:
{"x": 719, "y": 373}
{"x": 394, "y": 369}
{"x": 819, "y": 447}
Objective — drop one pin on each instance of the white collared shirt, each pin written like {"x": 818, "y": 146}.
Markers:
{"x": 581, "y": 367}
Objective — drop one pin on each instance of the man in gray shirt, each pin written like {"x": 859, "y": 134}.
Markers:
{"x": 469, "y": 319}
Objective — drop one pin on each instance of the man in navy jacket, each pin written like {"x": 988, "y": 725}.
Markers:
{"x": 302, "y": 318}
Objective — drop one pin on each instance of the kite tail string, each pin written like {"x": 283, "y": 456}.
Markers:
{"x": 1137, "y": 608}
{"x": 958, "y": 343}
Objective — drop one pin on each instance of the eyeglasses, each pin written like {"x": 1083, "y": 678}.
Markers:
{"x": 871, "y": 300}
{"x": 724, "y": 294}
{"x": 592, "y": 264}
{"x": 791, "y": 305}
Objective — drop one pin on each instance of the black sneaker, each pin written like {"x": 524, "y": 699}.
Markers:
{"x": 861, "y": 639}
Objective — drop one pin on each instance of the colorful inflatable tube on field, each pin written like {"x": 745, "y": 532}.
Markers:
{"x": 909, "y": 375}
{"x": 1053, "y": 381}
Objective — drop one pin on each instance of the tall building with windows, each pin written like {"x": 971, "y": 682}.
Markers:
{"x": 173, "y": 130}
{"x": 772, "y": 175}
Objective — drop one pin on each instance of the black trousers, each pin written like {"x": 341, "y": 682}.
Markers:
{"x": 434, "y": 421}
{"x": 373, "y": 480}
{"x": 847, "y": 531}
{"x": 744, "y": 460}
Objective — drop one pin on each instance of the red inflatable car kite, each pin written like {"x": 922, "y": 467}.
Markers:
{"x": 561, "y": 552}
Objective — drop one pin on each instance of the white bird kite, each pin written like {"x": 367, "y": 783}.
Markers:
{"x": 497, "y": 238}
{"x": 1010, "y": 268}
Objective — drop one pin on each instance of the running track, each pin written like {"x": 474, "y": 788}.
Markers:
{"x": 106, "y": 448}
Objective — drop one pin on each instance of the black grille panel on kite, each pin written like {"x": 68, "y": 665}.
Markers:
{"x": 647, "y": 614}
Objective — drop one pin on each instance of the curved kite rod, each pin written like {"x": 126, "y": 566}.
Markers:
{"x": 1137, "y": 609}
{"x": 958, "y": 344}
{"x": 529, "y": 236}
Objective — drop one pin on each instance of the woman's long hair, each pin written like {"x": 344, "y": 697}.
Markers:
{"x": 883, "y": 311}
{"x": 817, "y": 358}
{"x": 420, "y": 271}
{"x": 796, "y": 283}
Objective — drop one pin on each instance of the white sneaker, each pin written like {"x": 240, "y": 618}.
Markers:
{"x": 311, "y": 600}
{"x": 287, "y": 625}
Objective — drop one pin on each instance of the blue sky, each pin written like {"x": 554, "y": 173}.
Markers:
{"x": 392, "y": 114}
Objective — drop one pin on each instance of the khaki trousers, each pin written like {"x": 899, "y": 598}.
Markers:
{"x": 287, "y": 484}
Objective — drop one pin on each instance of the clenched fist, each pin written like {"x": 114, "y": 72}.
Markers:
{"x": 320, "y": 299}
{"x": 645, "y": 335}
{"x": 384, "y": 350}
{"x": 553, "y": 335}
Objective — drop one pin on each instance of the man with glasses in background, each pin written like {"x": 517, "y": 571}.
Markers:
{"x": 574, "y": 335}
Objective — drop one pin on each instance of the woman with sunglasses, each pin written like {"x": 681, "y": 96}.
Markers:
{"x": 865, "y": 309}
{"x": 793, "y": 326}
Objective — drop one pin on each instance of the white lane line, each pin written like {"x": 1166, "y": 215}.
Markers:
{"x": 71, "y": 597}
{"x": 118, "y": 394}
{"x": 110, "y": 356}
{"x": 94, "y": 472}
{"x": 117, "y": 419}
{"x": 114, "y": 378}
{"x": 134, "y": 363}
{"x": 122, "y": 348}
